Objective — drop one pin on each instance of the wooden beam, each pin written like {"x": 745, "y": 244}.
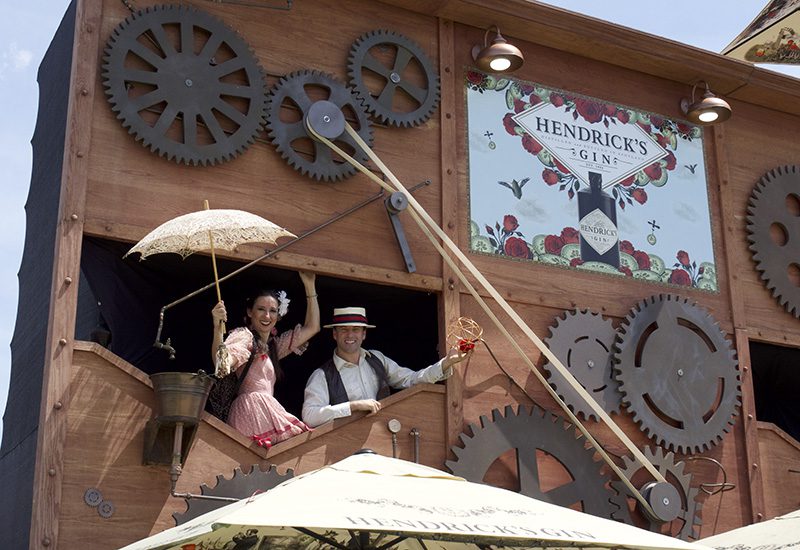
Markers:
{"x": 451, "y": 295}
{"x": 51, "y": 437}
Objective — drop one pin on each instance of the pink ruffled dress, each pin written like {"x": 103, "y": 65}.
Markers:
{"x": 255, "y": 412}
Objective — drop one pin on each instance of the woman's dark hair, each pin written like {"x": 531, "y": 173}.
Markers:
{"x": 272, "y": 346}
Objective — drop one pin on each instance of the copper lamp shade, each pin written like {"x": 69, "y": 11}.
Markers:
{"x": 710, "y": 109}
{"x": 497, "y": 57}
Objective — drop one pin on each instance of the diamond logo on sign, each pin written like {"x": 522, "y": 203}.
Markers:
{"x": 598, "y": 231}
{"x": 616, "y": 151}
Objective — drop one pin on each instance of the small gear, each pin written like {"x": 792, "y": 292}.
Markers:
{"x": 289, "y": 103}
{"x": 772, "y": 228}
{"x": 677, "y": 372}
{"x": 582, "y": 341}
{"x": 528, "y": 431}
{"x": 394, "y": 78}
{"x": 184, "y": 84}
{"x": 684, "y": 526}
{"x": 240, "y": 485}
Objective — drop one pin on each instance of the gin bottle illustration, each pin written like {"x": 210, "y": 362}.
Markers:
{"x": 597, "y": 213}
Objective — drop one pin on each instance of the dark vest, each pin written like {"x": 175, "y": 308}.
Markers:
{"x": 336, "y": 389}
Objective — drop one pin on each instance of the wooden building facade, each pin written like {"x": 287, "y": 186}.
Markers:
{"x": 75, "y": 424}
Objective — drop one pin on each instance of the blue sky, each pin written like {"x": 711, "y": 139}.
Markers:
{"x": 27, "y": 28}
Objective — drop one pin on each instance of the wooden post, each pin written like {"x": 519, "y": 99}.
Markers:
{"x": 51, "y": 437}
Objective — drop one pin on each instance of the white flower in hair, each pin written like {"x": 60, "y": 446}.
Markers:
{"x": 283, "y": 303}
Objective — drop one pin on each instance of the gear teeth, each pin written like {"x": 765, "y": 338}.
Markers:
{"x": 767, "y": 206}
{"x": 634, "y": 368}
{"x": 381, "y": 113}
{"x": 122, "y": 41}
{"x": 292, "y": 87}
{"x": 526, "y": 429}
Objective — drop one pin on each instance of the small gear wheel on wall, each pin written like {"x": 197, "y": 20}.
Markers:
{"x": 677, "y": 372}
{"x": 685, "y": 525}
{"x": 582, "y": 341}
{"x": 240, "y": 485}
{"x": 184, "y": 84}
{"x": 773, "y": 229}
{"x": 540, "y": 439}
{"x": 289, "y": 104}
{"x": 394, "y": 78}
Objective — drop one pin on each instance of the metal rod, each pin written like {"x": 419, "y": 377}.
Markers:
{"x": 415, "y": 435}
{"x": 175, "y": 469}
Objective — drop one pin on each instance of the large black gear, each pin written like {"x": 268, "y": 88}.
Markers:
{"x": 768, "y": 215}
{"x": 685, "y": 524}
{"x": 582, "y": 341}
{"x": 388, "y": 77}
{"x": 297, "y": 92}
{"x": 529, "y": 430}
{"x": 240, "y": 485}
{"x": 184, "y": 84}
{"x": 677, "y": 372}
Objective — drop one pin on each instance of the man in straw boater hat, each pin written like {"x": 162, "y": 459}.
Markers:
{"x": 355, "y": 379}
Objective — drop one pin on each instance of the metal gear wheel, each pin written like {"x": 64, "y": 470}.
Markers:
{"x": 684, "y": 526}
{"x": 677, "y": 372}
{"x": 772, "y": 226}
{"x": 289, "y": 104}
{"x": 240, "y": 485}
{"x": 394, "y": 78}
{"x": 583, "y": 342}
{"x": 184, "y": 84}
{"x": 528, "y": 431}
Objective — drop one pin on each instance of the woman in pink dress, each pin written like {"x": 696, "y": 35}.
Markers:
{"x": 255, "y": 412}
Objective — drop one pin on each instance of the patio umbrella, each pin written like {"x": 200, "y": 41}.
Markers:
{"x": 772, "y": 37}
{"x": 373, "y": 502}
{"x": 778, "y": 533}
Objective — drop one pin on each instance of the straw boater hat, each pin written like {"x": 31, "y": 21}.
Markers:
{"x": 349, "y": 317}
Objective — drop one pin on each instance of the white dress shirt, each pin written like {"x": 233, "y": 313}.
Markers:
{"x": 360, "y": 382}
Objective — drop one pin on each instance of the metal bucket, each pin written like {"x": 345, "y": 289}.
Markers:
{"x": 180, "y": 396}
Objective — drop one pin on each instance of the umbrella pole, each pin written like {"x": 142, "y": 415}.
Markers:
{"x": 214, "y": 263}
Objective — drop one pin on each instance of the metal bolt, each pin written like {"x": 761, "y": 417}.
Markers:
{"x": 755, "y": 466}
{"x": 62, "y": 342}
{"x": 750, "y": 417}
{"x": 84, "y": 92}
{"x": 665, "y": 500}
{"x": 46, "y": 541}
{"x": 57, "y": 405}
{"x": 51, "y": 472}
{"x": 67, "y": 280}
{"x": 394, "y": 77}
{"x": 188, "y": 82}
{"x": 326, "y": 119}
{"x": 680, "y": 372}
{"x": 73, "y": 217}
{"x": 79, "y": 154}
{"x": 760, "y": 516}
{"x": 590, "y": 363}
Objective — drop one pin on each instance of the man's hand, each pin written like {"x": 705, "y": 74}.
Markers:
{"x": 369, "y": 405}
{"x": 453, "y": 358}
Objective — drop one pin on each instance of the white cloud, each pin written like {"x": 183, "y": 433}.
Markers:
{"x": 14, "y": 59}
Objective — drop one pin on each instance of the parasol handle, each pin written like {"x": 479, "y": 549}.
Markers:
{"x": 214, "y": 264}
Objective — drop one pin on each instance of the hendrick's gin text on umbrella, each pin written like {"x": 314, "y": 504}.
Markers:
{"x": 597, "y": 213}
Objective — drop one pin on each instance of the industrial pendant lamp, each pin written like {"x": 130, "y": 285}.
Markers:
{"x": 497, "y": 57}
{"x": 710, "y": 109}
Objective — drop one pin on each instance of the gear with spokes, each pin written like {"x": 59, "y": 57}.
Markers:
{"x": 394, "y": 78}
{"x": 540, "y": 439}
{"x": 685, "y": 524}
{"x": 184, "y": 84}
{"x": 240, "y": 485}
{"x": 773, "y": 226}
{"x": 678, "y": 373}
{"x": 582, "y": 341}
{"x": 289, "y": 104}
